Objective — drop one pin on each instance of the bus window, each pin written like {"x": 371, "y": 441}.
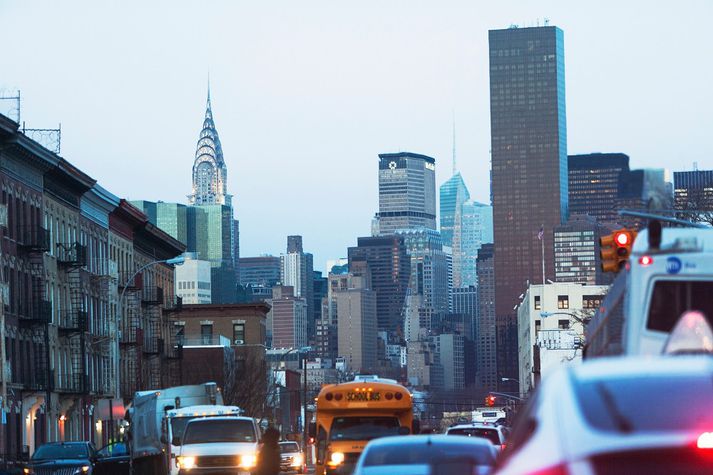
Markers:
{"x": 363, "y": 427}
{"x": 671, "y": 298}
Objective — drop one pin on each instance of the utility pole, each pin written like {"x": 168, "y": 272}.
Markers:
{"x": 304, "y": 402}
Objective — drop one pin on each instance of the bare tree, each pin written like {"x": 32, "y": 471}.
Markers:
{"x": 246, "y": 383}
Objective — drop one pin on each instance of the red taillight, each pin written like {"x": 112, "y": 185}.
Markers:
{"x": 705, "y": 440}
{"x": 502, "y": 447}
{"x": 557, "y": 470}
{"x": 646, "y": 260}
{"x": 389, "y": 396}
{"x": 338, "y": 397}
{"x": 329, "y": 396}
{"x": 398, "y": 396}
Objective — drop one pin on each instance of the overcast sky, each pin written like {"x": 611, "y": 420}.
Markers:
{"x": 307, "y": 93}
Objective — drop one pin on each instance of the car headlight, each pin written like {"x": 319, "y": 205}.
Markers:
{"x": 83, "y": 469}
{"x": 248, "y": 461}
{"x": 27, "y": 471}
{"x": 298, "y": 460}
{"x": 335, "y": 459}
{"x": 186, "y": 462}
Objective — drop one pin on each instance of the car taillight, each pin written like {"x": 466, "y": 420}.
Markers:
{"x": 556, "y": 470}
{"x": 502, "y": 446}
{"x": 646, "y": 260}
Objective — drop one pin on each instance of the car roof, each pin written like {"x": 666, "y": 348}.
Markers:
{"x": 663, "y": 366}
{"x": 475, "y": 425}
{"x": 427, "y": 439}
{"x": 201, "y": 420}
{"x": 69, "y": 442}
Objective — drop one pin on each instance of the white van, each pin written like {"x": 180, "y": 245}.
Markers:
{"x": 669, "y": 272}
{"x": 218, "y": 445}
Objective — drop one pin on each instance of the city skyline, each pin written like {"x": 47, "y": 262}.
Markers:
{"x": 267, "y": 124}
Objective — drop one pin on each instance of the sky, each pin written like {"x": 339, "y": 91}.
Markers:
{"x": 307, "y": 93}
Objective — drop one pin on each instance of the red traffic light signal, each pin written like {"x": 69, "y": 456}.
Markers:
{"x": 615, "y": 249}
{"x": 490, "y": 400}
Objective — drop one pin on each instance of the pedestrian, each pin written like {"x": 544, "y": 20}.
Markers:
{"x": 268, "y": 458}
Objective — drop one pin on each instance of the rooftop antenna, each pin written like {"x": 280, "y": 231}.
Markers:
{"x": 454, "y": 143}
{"x": 547, "y": 21}
{"x": 695, "y": 166}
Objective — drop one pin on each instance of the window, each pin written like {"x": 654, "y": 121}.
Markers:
{"x": 591, "y": 301}
{"x": 238, "y": 333}
{"x": 538, "y": 303}
{"x": 671, "y": 298}
{"x": 206, "y": 333}
{"x": 180, "y": 334}
{"x": 563, "y": 324}
{"x": 562, "y": 301}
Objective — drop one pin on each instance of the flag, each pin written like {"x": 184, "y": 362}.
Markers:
{"x": 541, "y": 234}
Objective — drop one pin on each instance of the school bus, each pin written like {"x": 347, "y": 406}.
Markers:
{"x": 351, "y": 414}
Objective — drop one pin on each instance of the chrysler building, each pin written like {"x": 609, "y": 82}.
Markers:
{"x": 209, "y": 172}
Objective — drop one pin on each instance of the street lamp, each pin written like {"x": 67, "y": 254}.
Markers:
{"x": 583, "y": 321}
{"x": 176, "y": 261}
{"x": 510, "y": 379}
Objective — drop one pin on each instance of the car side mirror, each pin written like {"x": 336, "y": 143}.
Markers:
{"x": 176, "y": 440}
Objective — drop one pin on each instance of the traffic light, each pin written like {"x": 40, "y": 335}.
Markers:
{"x": 490, "y": 400}
{"x": 615, "y": 249}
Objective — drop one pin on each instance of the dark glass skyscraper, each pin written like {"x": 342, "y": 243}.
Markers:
{"x": 529, "y": 165}
{"x": 388, "y": 263}
{"x": 594, "y": 184}
{"x": 693, "y": 190}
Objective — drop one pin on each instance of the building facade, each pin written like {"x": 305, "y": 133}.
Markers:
{"x": 486, "y": 360}
{"x": 529, "y": 165}
{"x": 693, "y": 190}
{"x": 577, "y": 257}
{"x": 193, "y": 283}
{"x": 594, "y": 184}
{"x": 287, "y": 319}
{"x": 407, "y": 192}
{"x": 389, "y": 267}
{"x": 552, "y": 316}
{"x": 357, "y": 327}
{"x": 297, "y": 271}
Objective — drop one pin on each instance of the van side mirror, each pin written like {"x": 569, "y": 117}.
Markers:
{"x": 164, "y": 440}
{"x": 312, "y": 432}
{"x": 176, "y": 440}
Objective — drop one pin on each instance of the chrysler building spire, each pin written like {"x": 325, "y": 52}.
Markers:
{"x": 210, "y": 175}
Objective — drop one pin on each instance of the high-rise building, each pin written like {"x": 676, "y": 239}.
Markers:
{"x": 454, "y": 194}
{"x": 529, "y": 165}
{"x": 645, "y": 189}
{"x": 287, "y": 319}
{"x": 261, "y": 270}
{"x": 577, "y": 256}
{"x": 192, "y": 281}
{"x": 210, "y": 175}
{"x": 429, "y": 268}
{"x": 450, "y": 349}
{"x": 407, "y": 193}
{"x": 693, "y": 190}
{"x": 220, "y": 251}
{"x": 356, "y": 311}
{"x": 477, "y": 230}
{"x": 486, "y": 354}
{"x": 388, "y": 264}
{"x": 594, "y": 184}
{"x": 297, "y": 270}
{"x": 465, "y": 303}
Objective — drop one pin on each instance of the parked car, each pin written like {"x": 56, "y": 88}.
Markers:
{"x": 427, "y": 455}
{"x": 292, "y": 459}
{"x": 62, "y": 457}
{"x": 113, "y": 459}
{"x": 618, "y": 415}
{"x": 496, "y": 434}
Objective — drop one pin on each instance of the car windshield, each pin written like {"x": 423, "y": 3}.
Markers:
{"x": 61, "y": 451}
{"x": 219, "y": 430}
{"x": 113, "y": 450}
{"x": 627, "y": 404}
{"x": 490, "y": 434}
{"x": 363, "y": 428}
{"x": 418, "y": 454}
{"x": 289, "y": 447}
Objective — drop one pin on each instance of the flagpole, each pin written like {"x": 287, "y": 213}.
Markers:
{"x": 542, "y": 241}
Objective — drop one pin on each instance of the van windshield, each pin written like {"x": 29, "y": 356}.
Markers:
{"x": 671, "y": 298}
{"x": 209, "y": 431}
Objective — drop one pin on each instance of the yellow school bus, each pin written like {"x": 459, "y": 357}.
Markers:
{"x": 351, "y": 414}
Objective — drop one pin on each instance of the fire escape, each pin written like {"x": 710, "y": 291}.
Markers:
{"x": 100, "y": 276}
{"x": 73, "y": 324}
{"x": 174, "y": 350}
{"x": 153, "y": 342}
{"x": 36, "y": 311}
{"x": 131, "y": 333}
